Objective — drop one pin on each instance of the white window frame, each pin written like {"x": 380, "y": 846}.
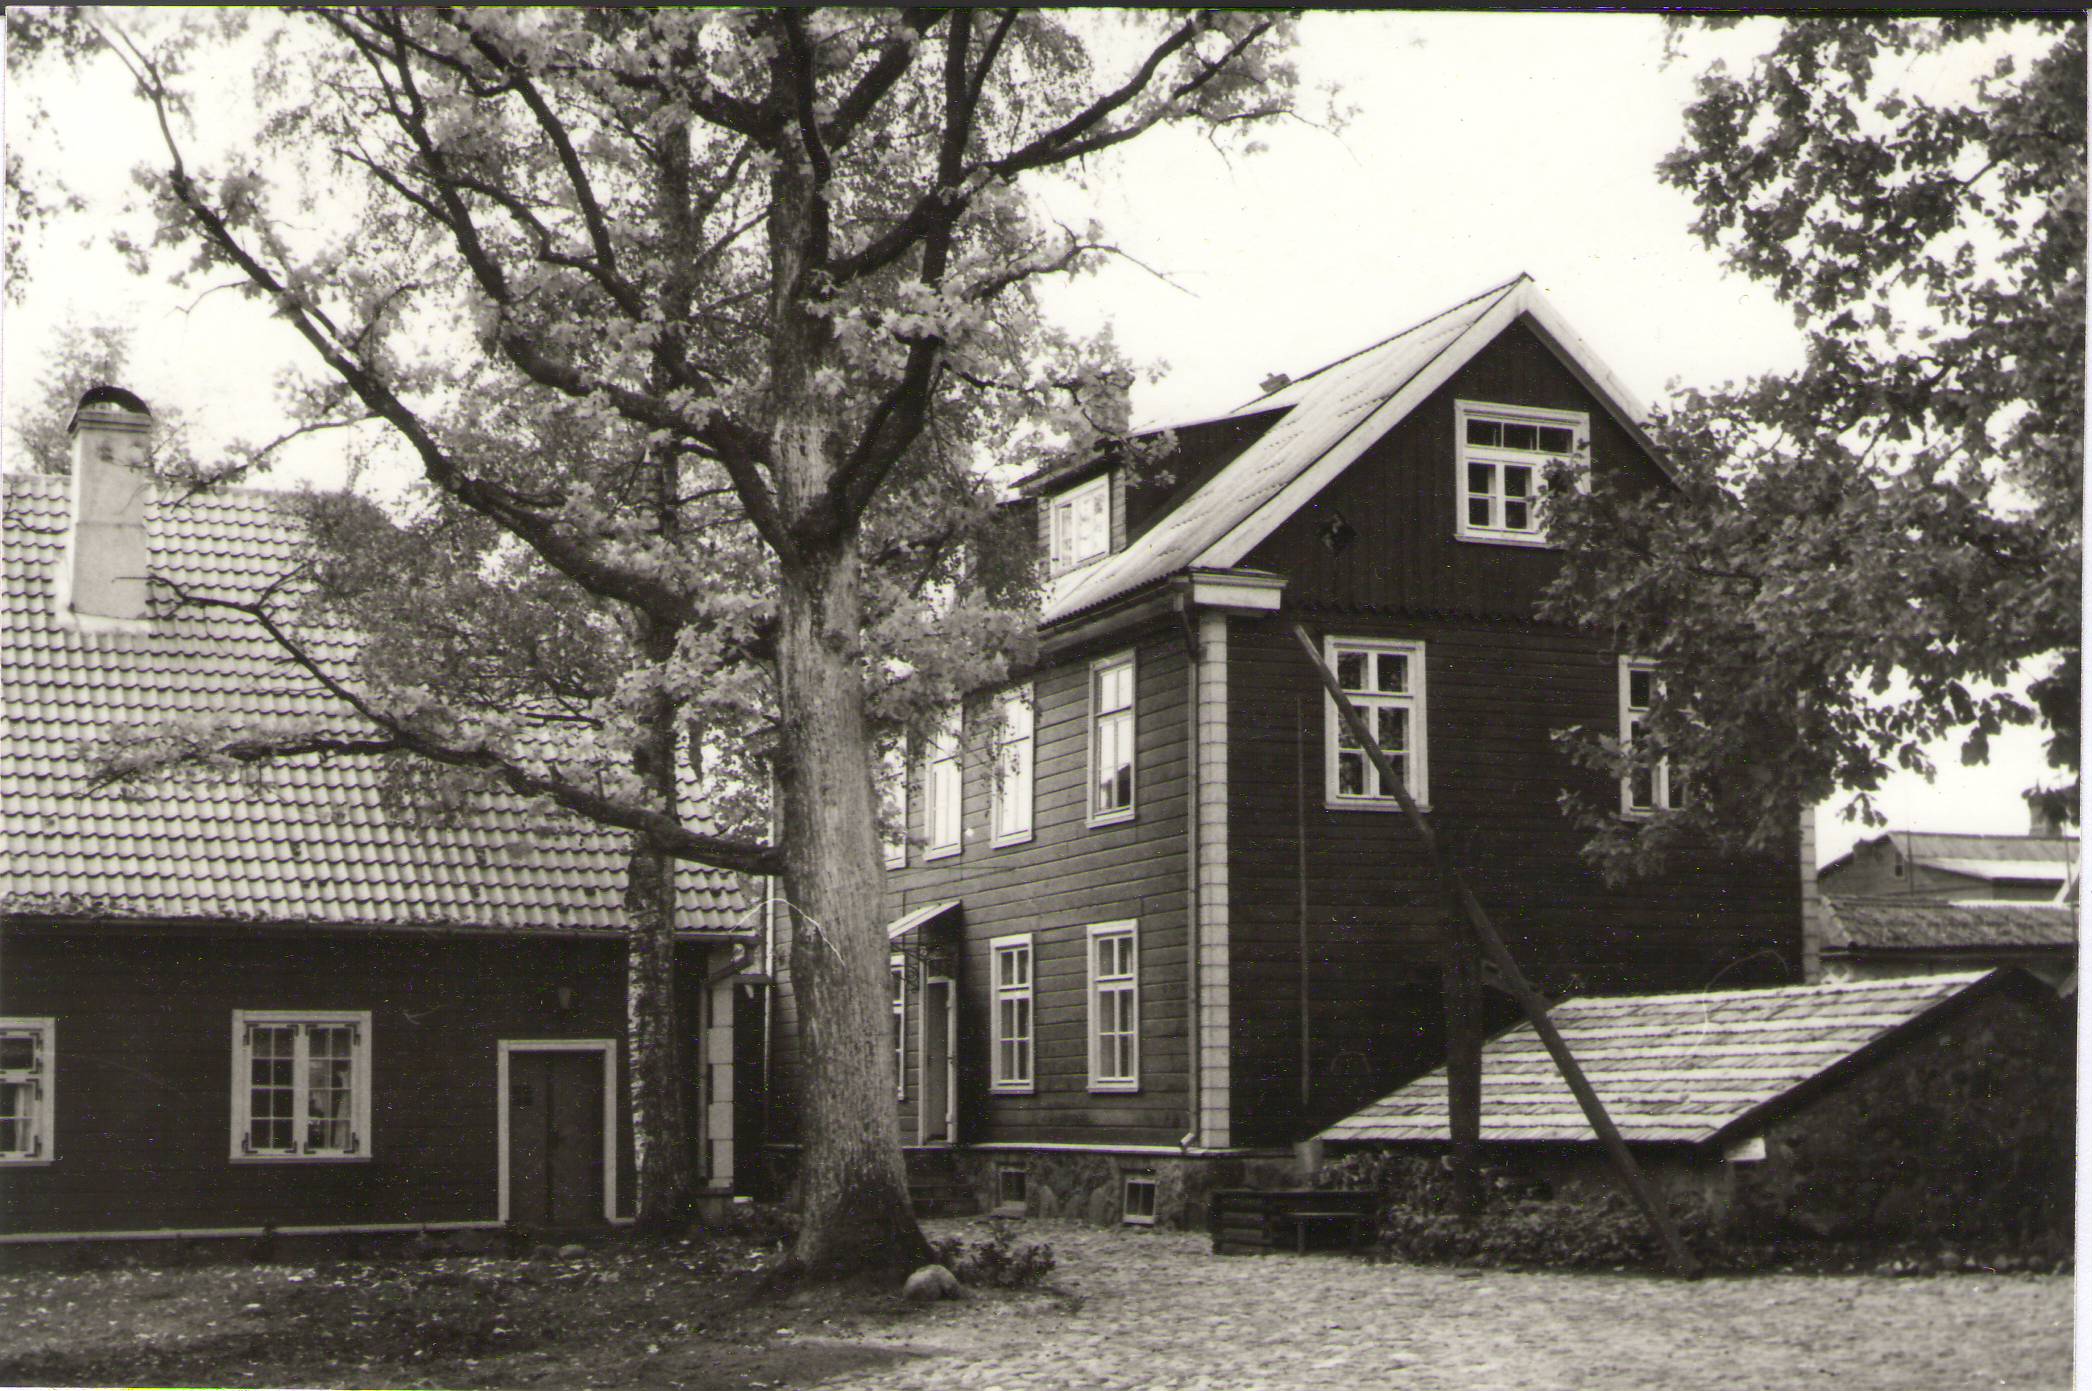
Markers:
{"x": 897, "y": 980}
{"x": 944, "y": 787}
{"x": 41, "y": 1078}
{"x": 1497, "y": 530}
{"x": 1153, "y": 1189}
{"x": 893, "y": 795}
{"x": 1010, "y": 803}
{"x": 1103, "y": 1077}
{"x": 1006, "y": 1079}
{"x": 1630, "y": 718}
{"x": 1126, "y": 717}
{"x": 242, "y": 1085}
{"x": 1069, "y": 548}
{"x": 1417, "y": 755}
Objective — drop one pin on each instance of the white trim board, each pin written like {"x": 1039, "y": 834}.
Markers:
{"x": 605, "y": 1046}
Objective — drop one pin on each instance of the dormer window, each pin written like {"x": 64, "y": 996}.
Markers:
{"x": 1503, "y": 456}
{"x": 1080, "y": 526}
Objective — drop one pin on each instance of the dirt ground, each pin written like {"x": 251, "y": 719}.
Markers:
{"x": 1123, "y": 1309}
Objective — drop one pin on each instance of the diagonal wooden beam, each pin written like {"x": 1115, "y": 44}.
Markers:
{"x": 1630, "y": 1174}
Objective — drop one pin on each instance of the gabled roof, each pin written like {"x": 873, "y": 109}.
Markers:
{"x": 304, "y": 842}
{"x": 2045, "y": 859}
{"x": 1678, "y": 1068}
{"x": 1897, "y": 924}
{"x": 1331, "y": 416}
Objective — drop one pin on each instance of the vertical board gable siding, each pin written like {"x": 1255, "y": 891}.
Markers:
{"x": 1066, "y": 877}
{"x": 1399, "y": 497}
{"x": 1375, "y": 910}
{"x": 145, "y": 1064}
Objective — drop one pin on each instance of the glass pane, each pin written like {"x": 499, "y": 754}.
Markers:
{"x": 1394, "y": 672}
{"x": 14, "y": 1100}
{"x": 17, "y": 1052}
{"x": 1555, "y": 439}
{"x": 1401, "y": 766}
{"x": 1481, "y": 479}
{"x": 1478, "y": 511}
{"x": 1520, "y": 436}
{"x": 1641, "y": 793}
{"x": 1641, "y": 689}
{"x": 1518, "y": 481}
{"x": 1518, "y": 516}
{"x": 1394, "y": 729}
{"x": 1675, "y": 784}
{"x": 1351, "y": 670}
{"x": 1351, "y": 774}
{"x": 1345, "y": 738}
{"x": 1484, "y": 432}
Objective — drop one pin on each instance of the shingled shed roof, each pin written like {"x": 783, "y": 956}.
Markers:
{"x": 300, "y": 842}
{"x": 1674, "y": 1068}
{"x": 1890, "y": 923}
{"x": 1332, "y": 415}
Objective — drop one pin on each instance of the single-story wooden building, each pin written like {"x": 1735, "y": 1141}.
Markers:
{"x": 282, "y": 1002}
{"x": 1869, "y": 938}
{"x": 1936, "y": 1105}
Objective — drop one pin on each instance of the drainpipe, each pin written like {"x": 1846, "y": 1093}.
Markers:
{"x": 1187, "y": 613}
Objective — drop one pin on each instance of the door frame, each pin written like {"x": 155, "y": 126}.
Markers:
{"x": 951, "y": 1064}
{"x": 607, "y": 1048}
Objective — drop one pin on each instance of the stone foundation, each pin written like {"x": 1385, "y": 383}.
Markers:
{"x": 1089, "y": 1185}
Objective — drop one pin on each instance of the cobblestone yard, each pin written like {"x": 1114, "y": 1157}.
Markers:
{"x": 1154, "y": 1309}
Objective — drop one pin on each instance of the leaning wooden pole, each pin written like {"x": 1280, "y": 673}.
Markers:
{"x": 1631, "y": 1176}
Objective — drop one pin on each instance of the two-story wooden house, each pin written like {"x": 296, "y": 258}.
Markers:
{"x": 1154, "y": 921}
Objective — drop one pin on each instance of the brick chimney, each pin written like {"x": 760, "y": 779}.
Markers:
{"x": 2041, "y": 820}
{"x": 102, "y": 581}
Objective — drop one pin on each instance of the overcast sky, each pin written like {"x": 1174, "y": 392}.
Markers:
{"x": 1482, "y": 145}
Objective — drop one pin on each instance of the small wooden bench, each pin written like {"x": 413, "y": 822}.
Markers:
{"x": 1242, "y": 1220}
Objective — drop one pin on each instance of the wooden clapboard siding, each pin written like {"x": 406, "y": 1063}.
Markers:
{"x": 1493, "y": 693}
{"x": 1068, "y": 876}
{"x": 1400, "y": 499}
{"x": 144, "y": 1059}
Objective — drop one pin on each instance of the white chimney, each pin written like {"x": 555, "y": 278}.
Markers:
{"x": 102, "y": 581}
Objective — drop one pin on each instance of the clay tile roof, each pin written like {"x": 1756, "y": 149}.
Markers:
{"x": 301, "y": 842}
{"x": 1667, "y": 1067}
{"x": 1893, "y": 923}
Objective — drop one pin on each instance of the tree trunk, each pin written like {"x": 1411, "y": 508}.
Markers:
{"x": 852, "y": 1180}
{"x": 660, "y": 1127}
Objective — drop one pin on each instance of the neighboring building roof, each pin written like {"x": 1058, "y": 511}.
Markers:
{"x": 1678, "y": 1068}
{"x": 919, "y": 917}
{"x": 2043, "y": 859}
{"x": 1332, "y": 415}
{"x": 302, "y": 842}
{"x": 1915, "y": 924}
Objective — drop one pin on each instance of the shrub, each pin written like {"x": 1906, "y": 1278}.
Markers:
{"x": 1001, "y": 1260}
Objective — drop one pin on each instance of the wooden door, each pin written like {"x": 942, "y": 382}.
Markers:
{"x": 555, "y": 1138}
{"x": 936, "y": 1062}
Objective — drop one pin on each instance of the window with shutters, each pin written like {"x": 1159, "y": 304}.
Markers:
{"x": 1079, "y": 525}
{"x": 28, "y": 1067}
{"x": 300, "y": 1084}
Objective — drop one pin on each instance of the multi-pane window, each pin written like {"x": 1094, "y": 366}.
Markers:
{"x": 1384, "y": 682}
{"x": 893, "y": 803}
{"x": 1111, "y": 739}
{"x": 1648, "y": 787}
{"x": 1079, "y": 524}
{"x": 27, "y": 1065}
{"x": 1114, "y": 1008}
{"x": 897, "y": 972}
{"x": 1013, "y": 1013}
{"x": 1010, "y": 822}
{"x": 301, "y": 1085}
{"x": 941, "y": 788}
{"x": 1504, "y": 455}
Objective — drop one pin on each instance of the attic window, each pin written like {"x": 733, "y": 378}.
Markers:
{"x": 1503, "y": 456}
{"x": 1080, "y": 524}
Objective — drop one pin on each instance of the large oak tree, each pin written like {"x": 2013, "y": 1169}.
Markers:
{"x": 700, "y": 326}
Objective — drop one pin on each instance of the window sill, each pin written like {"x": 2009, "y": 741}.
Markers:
{"x": 1004, "y": 842}
{"x": 301, "y": 1158}
{"x": 1011, "y": 1089}
{"x": 1356, "y": 804}
{"x": 1505, "y": 538}
{"x": 1114, "y": 1088}
{"x": 1112, "y": 818}
{"x": 25, "y": 1161}
{"x": 945, "y": 852}
{"x": 901, "y": 863}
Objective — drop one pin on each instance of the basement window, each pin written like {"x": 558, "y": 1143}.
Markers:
{"x": 1011, "y": 1190}
{"x": 1137, "y": 1206}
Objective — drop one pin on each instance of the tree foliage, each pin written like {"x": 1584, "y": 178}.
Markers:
{"x": 708, "y": 332}
{"x": 1868, "y": 552}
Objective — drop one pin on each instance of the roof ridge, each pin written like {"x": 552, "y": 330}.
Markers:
{"x": 57, "y": 481}
{"x": 1759, "y": 992}
{"x": 1424, "y": 322}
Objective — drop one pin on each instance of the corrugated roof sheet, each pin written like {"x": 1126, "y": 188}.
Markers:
{"x": 2040, "y": 871}
{"x": 1905, "y": 923}
{"x": 1668, "y": 1067}
{"x": 300, "y": 842}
